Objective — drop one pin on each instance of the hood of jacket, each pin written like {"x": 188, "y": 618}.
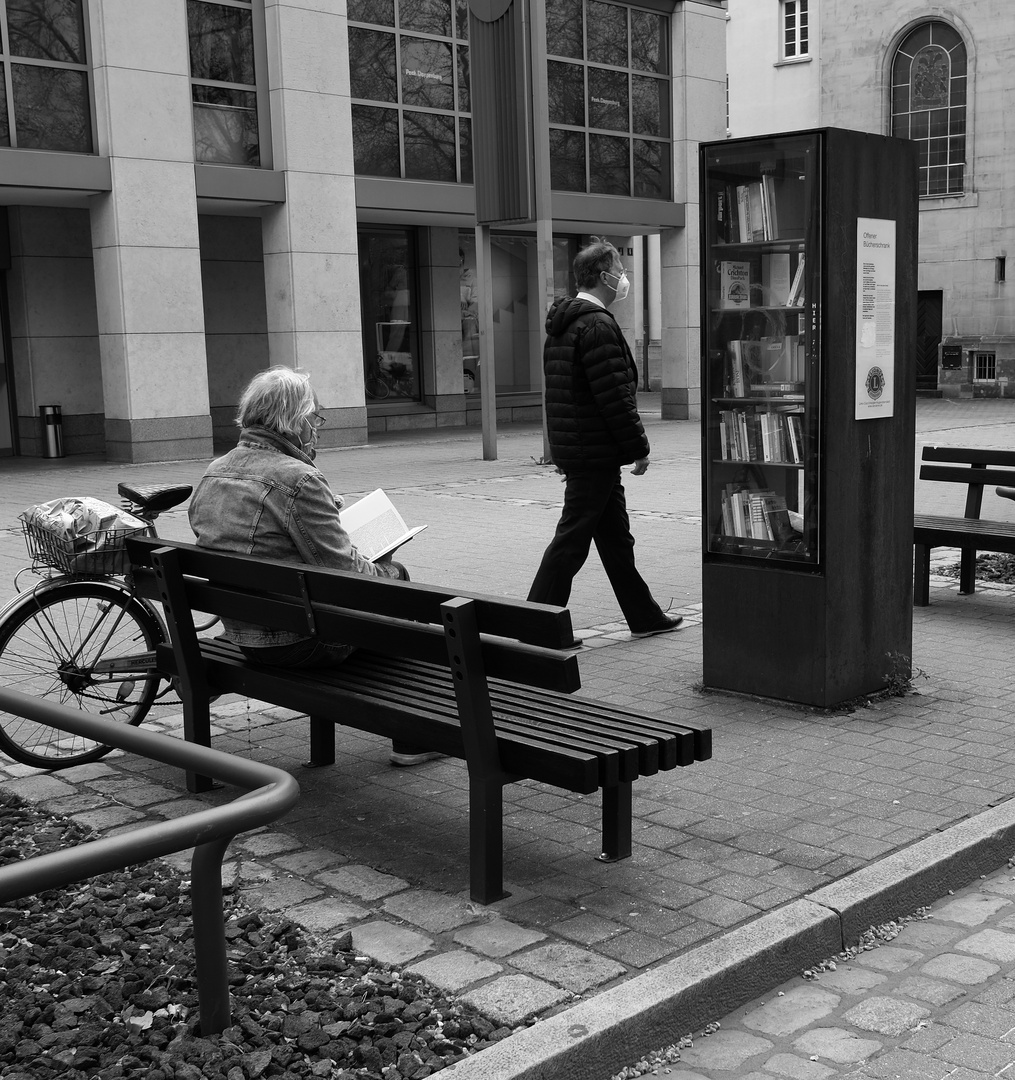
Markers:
{"x": 567, "y": 310}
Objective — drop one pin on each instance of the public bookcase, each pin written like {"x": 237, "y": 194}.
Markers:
{"x": 809, "y": 271}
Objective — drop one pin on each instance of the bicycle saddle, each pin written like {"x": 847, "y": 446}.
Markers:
{"x": 153, "y": 499}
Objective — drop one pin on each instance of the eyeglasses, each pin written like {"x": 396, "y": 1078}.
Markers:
{"x": 317, "y": 420}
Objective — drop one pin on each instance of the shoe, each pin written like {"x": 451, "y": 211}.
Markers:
{"x": 404, "y": 760}
{"x": 576, "y": 644}
{"x": 670, "y": 622}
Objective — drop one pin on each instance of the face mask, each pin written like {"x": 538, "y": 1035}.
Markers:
{"x": 623, "y": 285}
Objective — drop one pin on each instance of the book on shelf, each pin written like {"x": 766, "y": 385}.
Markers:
{"x": 777, "y": 518}
{"x": 795, "y": 297}
{"x": 727, "y": 226}
{"x": 775, "y": 278}
{"x": 375, "y": 527}
{"x": 738, "y": 384}
{"x": 734, "y": 284}
{"x": 757, "y": 206}
{"x": 794, "y": 438}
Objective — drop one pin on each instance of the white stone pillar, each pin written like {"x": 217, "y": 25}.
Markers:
{"x": 145, "y": 242}
{"x": 311, "y": 270}
{"x": 699, "y": 115}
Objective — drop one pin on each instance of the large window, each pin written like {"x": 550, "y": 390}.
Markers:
{"x": 608, "y": 73}
{"x": 795, "y": 29}
{"x": 223, "y": 39}
{"x": 929, "y": 104}
{"x": 409, "y": 62}
{"x": 45, "y": 77}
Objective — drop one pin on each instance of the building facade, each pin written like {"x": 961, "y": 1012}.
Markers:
{"x": 193, "y": 190}
{"x": 938, "y": 73}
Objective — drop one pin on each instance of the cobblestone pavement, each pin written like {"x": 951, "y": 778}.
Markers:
{"x": 792, "y": 802}
{"x": 933, "y": 999}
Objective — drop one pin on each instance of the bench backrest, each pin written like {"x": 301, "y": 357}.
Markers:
{"x": 976, "y": 466}
{"x": 517, "y": 640}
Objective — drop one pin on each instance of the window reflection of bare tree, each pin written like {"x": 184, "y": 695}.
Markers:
{"x": 52, "y": 104}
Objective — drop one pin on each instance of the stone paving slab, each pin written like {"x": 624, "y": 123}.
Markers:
{"x": 793, "y": 802}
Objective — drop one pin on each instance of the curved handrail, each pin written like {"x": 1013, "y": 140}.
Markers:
{"x": 270, "y": 793}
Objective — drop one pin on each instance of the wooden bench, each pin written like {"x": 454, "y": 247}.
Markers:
{"x": 482, "y": 678}
{"x": 976, "y": 468}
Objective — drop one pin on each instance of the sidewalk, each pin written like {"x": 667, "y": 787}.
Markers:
{"x": 722, "y": 898}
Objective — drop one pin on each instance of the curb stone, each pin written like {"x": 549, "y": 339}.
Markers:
{"x": 596, "y": 1038}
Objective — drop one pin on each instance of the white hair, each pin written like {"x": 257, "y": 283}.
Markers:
{"x": 278, "y": 399}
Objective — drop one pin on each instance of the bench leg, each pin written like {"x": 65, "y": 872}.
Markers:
{"x": 486, "y": 841}
{"x": 197, "y": 730}
{"x": 967, "y": 571}
{"x": 616, "y": 823}
{"x": 322, "y": 743}
{"x": 921, "y": 575}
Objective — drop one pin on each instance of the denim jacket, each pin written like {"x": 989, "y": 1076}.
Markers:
{"x": 266, "y": 497}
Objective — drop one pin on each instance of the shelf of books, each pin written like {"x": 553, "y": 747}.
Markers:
{"x": 760, "y": 400}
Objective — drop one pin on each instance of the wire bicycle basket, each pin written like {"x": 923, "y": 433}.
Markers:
{"x": 99, "y": 552}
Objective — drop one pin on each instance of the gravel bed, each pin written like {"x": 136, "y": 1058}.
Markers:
{"x": 99, "y": 982}
{"x": 991, "y": 567}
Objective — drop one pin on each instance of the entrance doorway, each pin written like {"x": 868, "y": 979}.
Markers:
{"x": 929, "y": 308}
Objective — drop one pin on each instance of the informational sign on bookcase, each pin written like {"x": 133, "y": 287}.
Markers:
{"x": 808, "y": 285}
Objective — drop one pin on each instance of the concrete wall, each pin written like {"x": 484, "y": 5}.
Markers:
{"x": 767, "y": 94}
{"x": 959, "y": 236}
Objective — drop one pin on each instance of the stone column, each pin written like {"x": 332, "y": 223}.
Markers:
{"x": 144, "y": 236}
{"x": 699, "y": 52}
{"x": 311, "y": 269}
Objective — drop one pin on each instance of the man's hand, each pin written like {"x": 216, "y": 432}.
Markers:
{"x": 640, "y": 466}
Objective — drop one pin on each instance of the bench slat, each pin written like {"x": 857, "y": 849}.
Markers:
{"x": 958, "y": 474}
{"x": 964, "y": 532}
{"x": 971, "y": 455}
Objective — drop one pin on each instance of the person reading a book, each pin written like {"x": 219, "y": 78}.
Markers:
{"x": 594, "y": 428}
{"x": 267, "y": 497}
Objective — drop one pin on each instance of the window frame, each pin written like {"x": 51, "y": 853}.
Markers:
{"x": 794, "y": 30}
{"x": 589, "y": 132}
{"x": 461, "y": 118}
{"x": 956, "y": 107}
{"x": 9, "y": 59}
{"x": 262, "y": 105}
{"x": 983, "y": 365}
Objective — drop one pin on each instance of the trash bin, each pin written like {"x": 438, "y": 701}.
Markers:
{"x": 52, "y": 431}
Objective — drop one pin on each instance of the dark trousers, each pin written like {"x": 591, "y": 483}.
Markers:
{"x": 595, "y": 510}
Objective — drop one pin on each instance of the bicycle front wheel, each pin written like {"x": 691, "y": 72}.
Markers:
{"x": 87, "y": 644}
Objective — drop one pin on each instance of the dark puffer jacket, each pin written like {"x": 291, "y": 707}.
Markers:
{"x": 591, "y": 407}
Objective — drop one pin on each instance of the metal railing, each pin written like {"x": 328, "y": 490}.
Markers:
{"x": 270, "y": 793}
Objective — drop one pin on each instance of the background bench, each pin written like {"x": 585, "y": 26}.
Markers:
{"x": 977, "y": 469}
{"x": 481, "y": 678}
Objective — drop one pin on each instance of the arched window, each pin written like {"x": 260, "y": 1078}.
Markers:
{"x": 929, "y": 104}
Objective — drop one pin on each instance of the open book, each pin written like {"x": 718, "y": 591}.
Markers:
{"x": 375, "y": 526}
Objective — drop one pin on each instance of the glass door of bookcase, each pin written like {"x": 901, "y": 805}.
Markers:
{"x": 761, "y": 322}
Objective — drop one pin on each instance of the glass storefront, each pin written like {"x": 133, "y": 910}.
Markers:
{"x": 518, "y": 326}
{"x": 387, "y": 262}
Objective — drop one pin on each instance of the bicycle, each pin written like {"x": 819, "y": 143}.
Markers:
{"x": 390, "y": 373}
{"x": 81, "y": 636}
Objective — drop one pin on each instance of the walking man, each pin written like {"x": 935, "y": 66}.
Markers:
{"x": 594, "y": 428}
